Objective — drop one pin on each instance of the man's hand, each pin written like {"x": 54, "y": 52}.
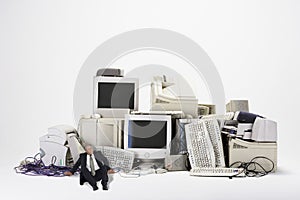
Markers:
{"x": 68, "y": 174}
{"x": 111, "y": 171}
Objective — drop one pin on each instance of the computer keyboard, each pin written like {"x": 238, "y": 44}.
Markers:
{"x": 217, "y": 171}
{"x": 117, "y": 158}
{"x": 200, "y": 149}
{"x": 214, "y": 131}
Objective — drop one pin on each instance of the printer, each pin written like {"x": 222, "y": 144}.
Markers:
{"x": 60, "y": 146}
{"x": 264, "y": 130}
{"x": 245, "y": 151}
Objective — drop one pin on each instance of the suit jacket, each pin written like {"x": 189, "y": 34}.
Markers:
{"x": 82, "y": 163}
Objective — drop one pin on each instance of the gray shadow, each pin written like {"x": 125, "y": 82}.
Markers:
{"x": 100, "y": 156}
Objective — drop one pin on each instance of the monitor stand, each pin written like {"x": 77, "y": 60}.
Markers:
{"x": 145, "y": 164}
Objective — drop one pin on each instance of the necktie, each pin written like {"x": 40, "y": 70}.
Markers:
{"x": 92, "y": 166}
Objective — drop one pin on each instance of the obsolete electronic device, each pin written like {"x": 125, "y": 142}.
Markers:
{"x": 231, "y": 123}
{"x": 199, "y": 147}
{"x": 115, "y": 96}
{"x": 231, "y": 130}
{"x": 53, "y": 138}
{"x": 176, "y": 162}
{"x": 204, "y": 144}
{"x": 217, "y": 172}
{"x": 75, "y": 147}
{"x": 246, "y": 117}
{"x": 226, "y": 116}
{"x": 230, "y": 127}
{"x": 179, "y": 146}
{"x": 237, "y": 105}
{"x": 110, "y": 72}
{"x": 213, "y": 129}
{"x": 54, "y": 153}
{"x": 117, "y": 158}
{"x": 243, "y": 128}
{"x": 148, "y": 136}
{"x": 162, "y": 99}
{"x": 247, "y": 135}
{"x": 221, "y": 118}
{"x": 61, "y": 131}
{"x": 203, "y": 108}
{"x": 54, "y": 148}
{"x": 101, "y": 131}
{"x": 244, "y": 151}
{"x": 264, "y": 130}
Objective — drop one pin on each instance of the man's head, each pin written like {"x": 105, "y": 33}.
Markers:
{"x": 89, "y": 149}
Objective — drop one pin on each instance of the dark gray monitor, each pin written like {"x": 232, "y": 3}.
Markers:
{"x": 147, "y": 134}
{"x": 115, "y": 96}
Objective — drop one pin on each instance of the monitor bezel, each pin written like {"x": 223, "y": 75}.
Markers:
{"x": 114, "y": 112}
{"x": 149, "y": 153}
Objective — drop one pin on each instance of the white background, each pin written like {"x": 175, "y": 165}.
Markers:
{"x": 255, "y": 46}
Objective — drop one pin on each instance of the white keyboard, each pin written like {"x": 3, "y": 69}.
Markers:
{"x": 217, "y": 171}
{"x": 213, "y": 129}
{"x": 201, "y": 151}
{"x": 117, "y": 158}
{"x": 204, "y": 144}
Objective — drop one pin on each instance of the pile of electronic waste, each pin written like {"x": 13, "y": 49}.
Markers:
{"x": 177, "y": 134}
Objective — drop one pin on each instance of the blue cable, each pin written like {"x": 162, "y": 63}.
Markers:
{"x": 34, "y": 166}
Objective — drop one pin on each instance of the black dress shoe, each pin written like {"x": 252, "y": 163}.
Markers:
{"x": 104, "y": 187}
{"x": 81, "y": 182}
{"x": 95, "y": 188}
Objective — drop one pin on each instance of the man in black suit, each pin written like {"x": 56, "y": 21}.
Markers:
{"x": 92, "y": 169}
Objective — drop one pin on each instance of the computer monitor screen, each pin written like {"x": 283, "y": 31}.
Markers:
{"x": 147, "y": 134}
{"x": 115, "y": 95}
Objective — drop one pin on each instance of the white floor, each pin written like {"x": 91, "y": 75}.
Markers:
{"x": 172, "y": 185}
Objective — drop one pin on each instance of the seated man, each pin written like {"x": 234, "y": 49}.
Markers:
{"x": 92, "y": 169}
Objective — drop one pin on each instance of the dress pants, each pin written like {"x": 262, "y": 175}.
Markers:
{"x": 101, "y": 174}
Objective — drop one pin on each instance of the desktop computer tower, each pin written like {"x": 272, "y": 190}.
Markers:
{"x": 102, "y": 131}
{"x": 237, "y": 105}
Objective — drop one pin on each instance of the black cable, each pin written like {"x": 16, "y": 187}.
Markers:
{"x": 250, "y": 168}
{"x": 187, "y": 162}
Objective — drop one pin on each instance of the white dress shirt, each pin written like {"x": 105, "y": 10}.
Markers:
{"x": 88, "y": 157}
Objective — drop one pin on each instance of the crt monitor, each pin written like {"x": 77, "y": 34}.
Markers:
{"x": 148, "y": 136}
{"x": 115, "y": 96}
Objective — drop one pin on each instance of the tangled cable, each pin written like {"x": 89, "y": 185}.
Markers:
{"x": 253, "y": 168}
{"x": 34, "y": 166}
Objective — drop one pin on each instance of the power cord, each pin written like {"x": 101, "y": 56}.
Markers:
{"x": 253, "y": 168}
